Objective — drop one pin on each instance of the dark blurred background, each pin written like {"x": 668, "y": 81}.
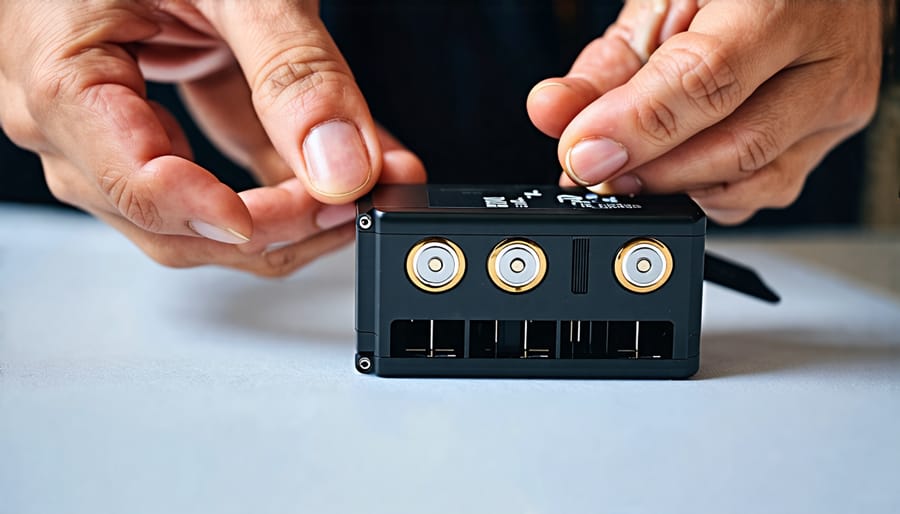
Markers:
{"x": 449, "y": 78}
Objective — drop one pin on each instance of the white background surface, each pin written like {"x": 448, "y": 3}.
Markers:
{"x": 128, "y": 387}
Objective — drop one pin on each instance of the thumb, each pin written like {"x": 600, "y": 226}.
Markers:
{"x": 304, "y": 94}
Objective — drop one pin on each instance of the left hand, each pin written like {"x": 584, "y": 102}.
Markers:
{"x": 737, "y": 102}
{"x": 264, "y": 79}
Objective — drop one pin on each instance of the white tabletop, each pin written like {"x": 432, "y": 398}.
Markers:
{"x": 128, "y": 387}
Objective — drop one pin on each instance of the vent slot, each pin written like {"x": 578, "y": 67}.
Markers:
{"x": 581, "y": 251}
{"x": 532, "y": 339}
{"x": 509, "y": 339}
{"x": 428, "y": 338}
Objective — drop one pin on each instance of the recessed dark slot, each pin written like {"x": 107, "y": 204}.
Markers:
{"x": 512, "y": 339}
{"x": 655, "y": 339}
{"x": 574, "y": 338}
{"x": 409, "y": 338}
{"x": 599, "y": 335}
{"x": 533, "y": 339}
{"x": 483, "y": 335}
{"x": 580, "y": 339}
{"x": 427, "y": 338}
{"x": 449, "y": 338}
{"x": 509, "y": 339}
{"x": 539, "y": 340}
{"x": 621, "y": 341}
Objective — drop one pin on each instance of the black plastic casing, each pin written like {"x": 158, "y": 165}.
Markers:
{"x": 399, "y": 216}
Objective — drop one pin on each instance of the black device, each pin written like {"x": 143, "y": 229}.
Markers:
{"x": 532, "y": 281}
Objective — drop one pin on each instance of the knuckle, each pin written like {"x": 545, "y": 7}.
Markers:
{"x": 59, "y": 188}
{"x": 709, "y": 80}
{"x": 168, "y": 255}
{"x": 856, "y": 109}
{"x": 714, "y": 198}
{"x": 855, "y": 76}
{"x": 784, "y": 196}
{"x": 755, "y": 149}
{"x": 64, "y": 182}
{"x": 779, "y": 187}
{"x": 304, "y": 74}
{"x": 867, "y": 111}
{"x": 732, "y": 217}
{"x": 21, "y": 129}
{"x": 656, "y": 121}
{"x": 281, "y": 263}
{"x": 698, "y": 73}
{"x": 46, "y": 86}
{"x": 132, "y": 200}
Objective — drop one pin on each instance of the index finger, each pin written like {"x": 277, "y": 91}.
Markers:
{"x": 304, "y": 94}
{"x": 87, "y": 95}
{"x": 694, "y": 80}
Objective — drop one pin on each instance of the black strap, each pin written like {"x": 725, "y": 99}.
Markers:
{"x": 732, "y": 275}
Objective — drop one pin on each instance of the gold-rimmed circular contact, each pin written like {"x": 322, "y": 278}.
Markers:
{"x": 431, "y": 276}
{"x": 517, "y": 265}
{"x": 638, "y": 280}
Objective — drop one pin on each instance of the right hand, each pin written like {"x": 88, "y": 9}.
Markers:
{"x": 733, "y": 102}
{"x": 264, "y": 80}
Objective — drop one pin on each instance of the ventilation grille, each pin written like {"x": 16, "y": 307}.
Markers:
{"x": 581, "y": 251}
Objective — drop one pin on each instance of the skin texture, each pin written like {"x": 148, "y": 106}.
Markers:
{"x": 737, "y": 102}
{"x": 259, "y": 77}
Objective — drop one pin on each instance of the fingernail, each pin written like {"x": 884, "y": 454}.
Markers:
{"x": 624, "y": 185}
{"x": 220, "y": 234}
{"x": 659, "y": 6}
{"x": 332, "y": 216}
{"x": 544, "y": 85}
{"x": 593, "y": 160}
{"x": 646, "y": 35}
{"x": 337, "y": 161}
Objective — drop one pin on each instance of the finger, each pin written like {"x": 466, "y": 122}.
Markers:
{"x": 643, "y": 36}
{"x": 678, "y": 18}
{"x": 694, "y": 80}
{"x": 179, "y": 52}
{"x": 304, "y": 94}
{"x": 167, "y": 63}
{"x": 221, "y": 105}
{"x": 70, "y": 185}
{"x": 778, "y": 115}
{"x": 16, "y": 120}
{"x": 287, "y": 213}
{"x": 401, "y": 166}
{"x": 181, "y": 147}
{"x": 604, "y": 64}
{"x": 187, "y": 252}
{"x": 173, "y": 251}
{"x": 565, "y": 181}
{"x": 123, "y": 149}
{"x": 776, "y": 185}
{"x": 285, "y": 261}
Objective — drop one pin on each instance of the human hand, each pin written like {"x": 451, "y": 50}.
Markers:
{"x": 264, "y": 80}
{"x": 731, "y": 101}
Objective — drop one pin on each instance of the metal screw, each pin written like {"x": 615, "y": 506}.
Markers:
{"x": 365, "y": 222}
{"x": 364, "y": 364}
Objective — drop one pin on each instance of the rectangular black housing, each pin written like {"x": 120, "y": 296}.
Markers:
{"x": 579, "y": 318}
